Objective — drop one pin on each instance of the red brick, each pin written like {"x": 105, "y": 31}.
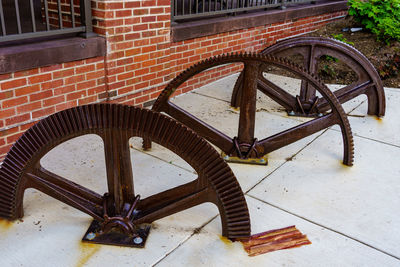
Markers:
{"x": 116, "y": 85}
{"x": 132, "y": 52}
{"x": 14, "y": 102}
{"x": 63, "y": 73}
{"x": 29, "y": 107}
{"x": 50, "y": 68}
{"x": 13, "y": 84}
{"x": 149, "y": 19}
{"x": 18, "y": 119}
{"x": 43, "y": 112}
{"x": 41, "y": 95}
{"x": 131, "y": 21}
{"x": 85, "y": 85}
{"x": 39, "y": 78}
{"x": 5, "y": 76}
{"x": 74, "y": 79}
{"x": 26, "y": 73}
{"x": 132, "y": 36}
{"x": 93, "y": 60}
{"x": 73, "y": 64}
{"x": 141, "y": 58}
{"x": 125, "y": 76}
{"x": 11, "y": 139}
{"x": 76, "y": 95}
{"x": 94, "y": 75}
{"x": 66, "y": 105}
{"x": 163, "y": 2}
{"x": 141, "y": 42}
{"x": 123, "y": 13}
{"x": 124, "y": 46}
{"x": 52, "y": 84}
{"x": 64, "y": 89}
{"x": 5, "y": 113}
{"x": 27, "y": 90}
{"x": 132, "y": 4}
{"x": 149, "y": 63}
{"x": 84, "y": 69}
{"x": 141, "y": 85}
{"x": 53, "y": 101}
{"x": 113, "y": 5}
{"x": 6, "y": 94}
{"x": 148, "y": 49}
{"x": 96, "y": 90}
{"x": 87, "y": 100}
{"x": 4, "y": 149}
{"x": 141, "y": 11}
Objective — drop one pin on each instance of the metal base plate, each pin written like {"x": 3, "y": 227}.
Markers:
{"x": 256, "y": 161}
{"x": 116, "y": 238}
{"x": 303, "y": 115}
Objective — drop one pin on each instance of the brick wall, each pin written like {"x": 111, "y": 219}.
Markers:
{"x": 140, "y": 61}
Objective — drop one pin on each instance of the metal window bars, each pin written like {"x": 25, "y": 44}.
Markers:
{"x": 190, "y": 9}
{"x": 26, "y": 19}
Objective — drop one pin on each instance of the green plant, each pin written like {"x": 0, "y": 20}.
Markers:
{"x": 328, "y": 71}
{"x": 329, "y": 58}
{"x": 381, "y": 17}
{"x": 341, "y": 38}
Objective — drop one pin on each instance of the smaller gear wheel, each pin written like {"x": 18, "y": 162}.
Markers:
{"x": 312, "y": 49}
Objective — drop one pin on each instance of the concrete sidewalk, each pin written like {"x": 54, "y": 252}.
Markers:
{"x": 350, "y": 214}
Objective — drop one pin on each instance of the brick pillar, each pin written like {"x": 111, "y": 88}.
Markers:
{"x": 138, "y": 47}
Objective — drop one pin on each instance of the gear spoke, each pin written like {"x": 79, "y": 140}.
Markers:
{"x": 118, "y": 167}
{"x": 59, "y": 191}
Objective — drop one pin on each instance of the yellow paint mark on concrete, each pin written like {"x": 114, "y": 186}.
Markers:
{"x": 88, "y": 250}
{"x": 226, "y": 241}
{"x": 5, "y": 225}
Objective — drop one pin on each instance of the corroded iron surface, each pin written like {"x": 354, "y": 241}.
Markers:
{"x": 273, "y": 240}
{"x": 245, "y": 145}
{"x": 312, "y": 49}
{"x": 121, "y": 209}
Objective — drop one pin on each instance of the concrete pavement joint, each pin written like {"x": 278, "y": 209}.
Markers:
{"x": 169, "y": 162}
{"x": 371, "y": 139}
{"x": 196, "y": 231}
{"x": 294, "y": 155}
{"x": 213, "y": 97}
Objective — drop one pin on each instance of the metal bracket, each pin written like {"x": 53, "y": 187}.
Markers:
{"x": 116, "y": 238}
{"x": 256, "y": 161}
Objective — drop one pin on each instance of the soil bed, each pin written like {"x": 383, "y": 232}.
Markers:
{"x": 385, "y": 57}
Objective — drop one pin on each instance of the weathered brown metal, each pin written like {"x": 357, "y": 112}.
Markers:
{"x": 120, "y": 215}
{"x": 246, "y": 146}
{"x": 312, "y": 49}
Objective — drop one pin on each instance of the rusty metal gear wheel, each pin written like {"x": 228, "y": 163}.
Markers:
{"x": 312, "y": 49}
{"x": 120, "y": 208}
{"x": 245, "y": 146}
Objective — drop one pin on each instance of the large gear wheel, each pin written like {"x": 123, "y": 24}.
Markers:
{"x": 312, "y": 49}
{"x": 121, "y": 208}
{"x": 245, "y": 146}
